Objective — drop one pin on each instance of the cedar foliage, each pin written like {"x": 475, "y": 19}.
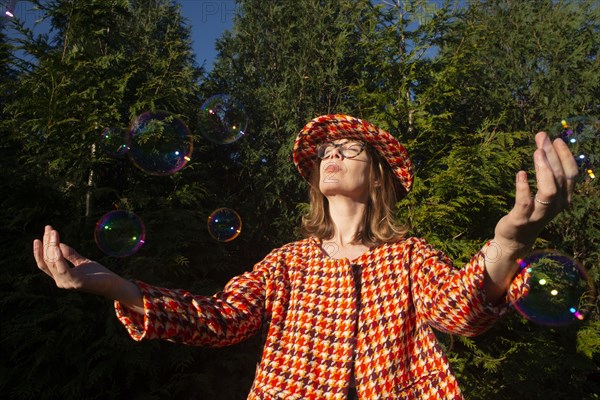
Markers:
{"x": 505, "y": 71}
{"x": 287, "y": 63}
{"x": 464, "y": 86}
{"x": 103, "y": 63}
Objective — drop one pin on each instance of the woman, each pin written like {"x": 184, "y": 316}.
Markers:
{"x": 349, "y": 308}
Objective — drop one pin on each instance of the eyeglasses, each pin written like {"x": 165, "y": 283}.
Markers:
{"x": 346, "y": 149}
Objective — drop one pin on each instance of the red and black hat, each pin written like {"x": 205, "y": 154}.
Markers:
{"x": 328, "y": 128}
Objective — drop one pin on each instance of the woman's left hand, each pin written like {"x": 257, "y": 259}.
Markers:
{"x": 556, "y": 171}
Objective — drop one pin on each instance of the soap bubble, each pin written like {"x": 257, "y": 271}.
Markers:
{"x": 560, "y": 291}
{"x": 224, "y": 224}
{"x": 581, "y": 134}
{"x": 119, "y": 233}
{"x": 113, "y": 142}
{"x": 222, "y": 119}
{"x": 159, "y": 143}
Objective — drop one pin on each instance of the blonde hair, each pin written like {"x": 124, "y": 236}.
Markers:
{"x": 379, "y": 222}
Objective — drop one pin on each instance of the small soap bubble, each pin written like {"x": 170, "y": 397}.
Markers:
{"x": 224, "y": 224}
{"x": 159, "y": 143}
{"x": 113, "y": 142}
{"x": 581, "y": 133}
{"x": 559, "y": 289}
{"x": 223, "y": 120}
{"x": 119, "y": 233}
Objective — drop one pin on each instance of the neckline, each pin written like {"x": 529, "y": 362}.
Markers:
{"x": 318, "y": 242}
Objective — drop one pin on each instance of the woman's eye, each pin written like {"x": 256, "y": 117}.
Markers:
{"x": 353, "y": 149}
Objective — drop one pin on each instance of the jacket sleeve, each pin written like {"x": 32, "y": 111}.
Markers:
{"x": 453, "y": 300}
{"x": 228, "y": 317}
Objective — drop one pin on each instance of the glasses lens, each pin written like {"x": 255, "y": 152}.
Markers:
{"x": 324, "y": 150}
{"x": 351, "y": 150}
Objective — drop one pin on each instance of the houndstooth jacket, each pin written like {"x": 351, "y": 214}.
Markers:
{"x": 332, "y": 321}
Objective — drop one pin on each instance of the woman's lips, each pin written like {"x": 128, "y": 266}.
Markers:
{"x": 332, "y": 168}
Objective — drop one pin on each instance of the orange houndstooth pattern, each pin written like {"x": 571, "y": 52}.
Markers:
{"x": 320, "y": 334}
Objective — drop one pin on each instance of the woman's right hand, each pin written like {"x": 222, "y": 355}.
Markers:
{"x": 86, "y": 275}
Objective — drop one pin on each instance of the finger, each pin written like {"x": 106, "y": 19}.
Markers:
{"x": 546, "y": 182}
{"x": 53, "y": 255}
{"x": 51, "y": 250}
{"x": 46, "y": 237}
{"x": 543, "y": 142}
{"x": 523, "y": 203}
{"x": 569, "y": 167}
{"x": 39, "y": 257}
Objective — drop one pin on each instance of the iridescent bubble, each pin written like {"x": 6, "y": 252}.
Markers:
{"x": 224, "y": 224}
{"x": 223, "y": 120}
{"x": 581, "y": 134}
{"x": 113, "y": 142}
{"x": 159, "y": 143}
{"x": 560, "y": 291}
{"x": 119, "y": 233}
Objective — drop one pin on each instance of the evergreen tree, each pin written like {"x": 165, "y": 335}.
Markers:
{"x": 102, "y": 64}
{"x": 286, "y": 63}
{"x": 505, "y": 71}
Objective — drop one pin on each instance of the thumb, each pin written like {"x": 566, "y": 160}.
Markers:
{"x": 71, "y": 255}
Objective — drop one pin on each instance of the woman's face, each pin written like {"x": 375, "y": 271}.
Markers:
{"x": 344, "y": 170}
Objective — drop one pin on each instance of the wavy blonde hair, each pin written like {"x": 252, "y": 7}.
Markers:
{"x": 379, "y": 222}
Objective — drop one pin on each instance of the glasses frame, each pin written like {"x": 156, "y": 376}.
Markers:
{"x": 341, "y": 148}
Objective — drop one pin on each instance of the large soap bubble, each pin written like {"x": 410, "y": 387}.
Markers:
{"x": 113, "y": 142}
{"x": 159, "y": 143}
{"x": 223, "y": 120}
{"x": 119, "y": 233}
{"x": 560, "y": 291}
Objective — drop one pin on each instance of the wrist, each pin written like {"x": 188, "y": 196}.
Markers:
{"x": 511, "y": 249}
{"x": 128, "y": 293}
{"x": 500, "y": 257}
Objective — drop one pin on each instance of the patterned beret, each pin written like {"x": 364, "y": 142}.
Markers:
{"x": 327, "y": 128}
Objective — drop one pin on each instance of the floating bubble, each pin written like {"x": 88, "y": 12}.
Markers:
{"x": 159, "y": 143}
{"x": 224, "y": 224}
{"x": 582, "y": 134}
{"x": 119, "y": 233}
{"x": 222, "y": 119}
{"x": 113, "y": 142}
{"x": 560, "y": 291}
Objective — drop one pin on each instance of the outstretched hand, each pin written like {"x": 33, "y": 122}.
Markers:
{"x": 556, "y": 171}
{"x": 54, "y": 258}
{"x": 51, "y": 257}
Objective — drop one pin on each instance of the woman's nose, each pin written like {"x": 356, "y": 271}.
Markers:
{"x": 335, "y": 153}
